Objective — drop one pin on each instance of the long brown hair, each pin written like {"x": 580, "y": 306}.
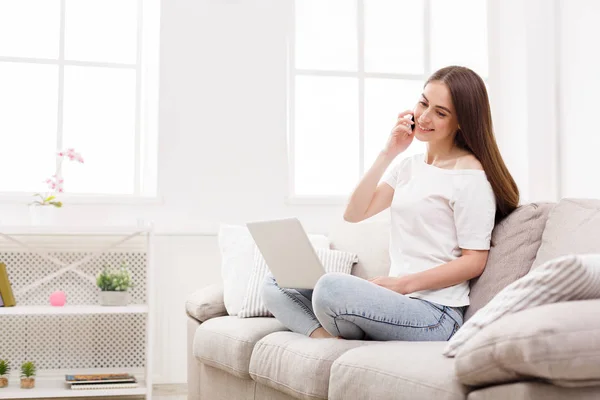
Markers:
{"x": 476, "y": 134}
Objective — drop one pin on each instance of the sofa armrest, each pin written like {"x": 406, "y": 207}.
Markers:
{"x": 557, "y": 342}
{"x": 206, "y": 303}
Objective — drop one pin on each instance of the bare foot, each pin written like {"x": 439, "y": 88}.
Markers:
{"x": 320, "y": 333}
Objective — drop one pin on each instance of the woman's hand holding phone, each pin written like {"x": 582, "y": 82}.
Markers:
{"x": 401, "y": 136}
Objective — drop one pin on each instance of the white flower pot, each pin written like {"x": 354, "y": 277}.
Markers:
{"x": 44, "y": 215}
{"x": 115, "y": 298}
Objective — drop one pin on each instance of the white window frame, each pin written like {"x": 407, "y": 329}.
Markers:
{"x": 293, "y": 198}
{"x": 146, "y": 110}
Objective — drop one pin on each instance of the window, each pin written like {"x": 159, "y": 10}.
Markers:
{"x": 79, "y": 74}
{"x": 354, "y": 65}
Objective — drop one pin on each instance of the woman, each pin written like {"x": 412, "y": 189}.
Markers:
{"x": 444, "y": 205}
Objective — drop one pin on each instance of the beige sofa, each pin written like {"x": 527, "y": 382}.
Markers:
{"x": 257, "y": 358}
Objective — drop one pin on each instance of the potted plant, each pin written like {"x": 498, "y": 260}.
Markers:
{"x": 114, "y": 286}
{"x": 43, "y": 208}
{"x": 4, "y": 370}
{"x": 27, "y": 375}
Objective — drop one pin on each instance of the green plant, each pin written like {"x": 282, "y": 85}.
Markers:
{"x": 28, "y": 369}
{"x": 47, "y": 201}
{"x": 114, "y": 281}
{"x": 4, "y": 367}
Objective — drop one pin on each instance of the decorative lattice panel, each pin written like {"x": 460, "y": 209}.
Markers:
{"x": 75, "y": 341}
{"x": 26, "y": 268}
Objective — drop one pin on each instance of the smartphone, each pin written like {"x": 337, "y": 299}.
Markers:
{"x": 412, "y": 118}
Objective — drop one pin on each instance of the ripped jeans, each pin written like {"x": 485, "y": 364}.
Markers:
{"x": 354, "y": 308}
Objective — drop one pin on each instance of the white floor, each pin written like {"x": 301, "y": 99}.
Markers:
{"x": 170, "y": 392}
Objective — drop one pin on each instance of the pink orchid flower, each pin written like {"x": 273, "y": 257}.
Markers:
{"x": 56, "y": 183}
{"x": 71, "y": 154}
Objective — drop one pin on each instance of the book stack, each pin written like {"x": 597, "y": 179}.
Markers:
{"x": 101, "y": 381}
{"x": 7, "y": 299}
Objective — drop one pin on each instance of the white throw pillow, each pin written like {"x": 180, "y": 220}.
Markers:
{"x": 237, "y": 254}
{"x": 253, "y": 306}
{"x": 572, "y": 277}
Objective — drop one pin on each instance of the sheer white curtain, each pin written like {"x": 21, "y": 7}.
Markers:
{"x": 523, "y": 90}
{"x": 544, "y": 87}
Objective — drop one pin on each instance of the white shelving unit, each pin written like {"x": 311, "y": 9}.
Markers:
{"x": 82, "y": 337}
{"x": 51, "y": 387}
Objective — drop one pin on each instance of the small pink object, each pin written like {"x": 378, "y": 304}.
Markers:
{"x": 58, "y": 298}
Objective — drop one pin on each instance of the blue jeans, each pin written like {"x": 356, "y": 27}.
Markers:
{"x": 354, "y": 308}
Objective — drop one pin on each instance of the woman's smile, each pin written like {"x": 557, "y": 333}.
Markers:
{"x": 423, "y": 129}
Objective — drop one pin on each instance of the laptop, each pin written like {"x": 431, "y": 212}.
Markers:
{"x": 288, "y": 252}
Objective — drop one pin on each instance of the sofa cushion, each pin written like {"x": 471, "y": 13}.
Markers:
{"x": 534, "y": 391}
{"x": 227, "y": 342}
{"x": 557, "y": 342}
{"x": 515, "y": 242}
{"x": 296, "y": 364}
{"x": 573, "y": 227}
{"x": 206, "y": 303}
{"x": 574, "y": 277}
{"x": 369, "y": 240}
{"x": 395, "y": 370}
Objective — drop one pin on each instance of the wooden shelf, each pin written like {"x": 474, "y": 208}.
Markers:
{"x": 57, "y": 388}
{"x": 74, "y": 310}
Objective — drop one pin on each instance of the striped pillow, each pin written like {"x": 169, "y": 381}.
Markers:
{"x": 572, "y": 277}
{"x": 253, "y": 306}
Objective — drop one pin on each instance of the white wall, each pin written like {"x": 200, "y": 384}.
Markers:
{"x": 184, "y": 264}
{"x": 223, "y": 113}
